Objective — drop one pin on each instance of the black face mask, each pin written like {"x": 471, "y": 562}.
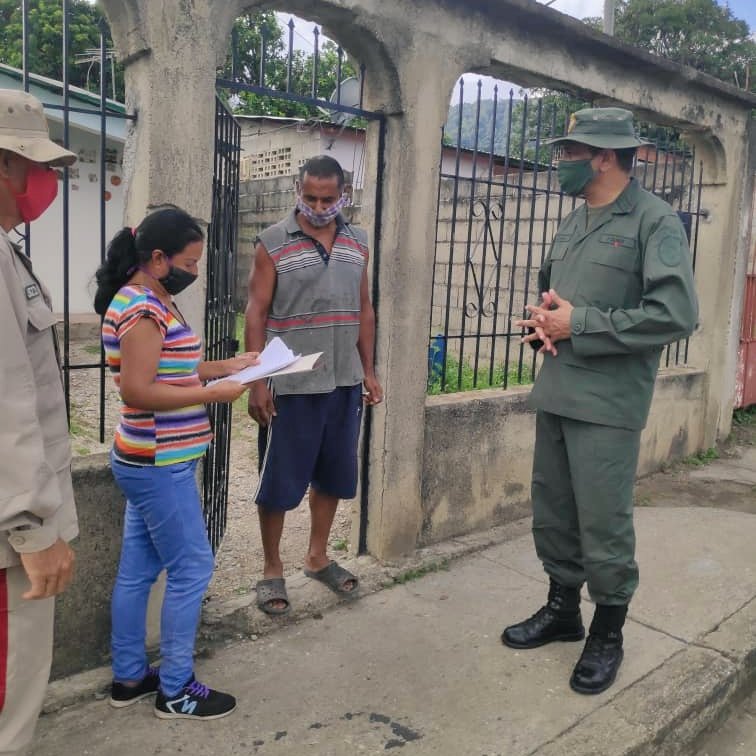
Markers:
{"x": 177, "y": 280}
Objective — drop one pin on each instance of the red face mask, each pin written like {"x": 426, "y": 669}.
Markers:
{"x": 41, "y": 190}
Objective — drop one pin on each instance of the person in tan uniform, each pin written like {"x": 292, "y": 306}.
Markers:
{"x": 37, "y": 514}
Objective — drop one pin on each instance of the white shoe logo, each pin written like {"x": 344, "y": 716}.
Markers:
{"x": 187, "y": 705}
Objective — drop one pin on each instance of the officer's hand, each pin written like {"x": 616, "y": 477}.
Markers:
{"x": 49, "y": 571}
{"x": 556, "y": 318}
{"x": 537, "y": 332}
{"x": 554, "y": 321}
{"x": 260, "y": 406}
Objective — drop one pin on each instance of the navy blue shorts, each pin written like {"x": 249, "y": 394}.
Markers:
{"x": 312, "y": 440}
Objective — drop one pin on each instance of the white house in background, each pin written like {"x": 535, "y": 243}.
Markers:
{"x": 85, "y": 186}
{"x": 275, "y": 146}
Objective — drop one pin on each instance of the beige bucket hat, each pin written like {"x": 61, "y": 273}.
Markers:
{"x": 24, "y": 129}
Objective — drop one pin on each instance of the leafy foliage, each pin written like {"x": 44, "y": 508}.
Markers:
{"x": 698, "y": 33}
{"x": 247, "y": 39}
{"x": 46, "y": 40}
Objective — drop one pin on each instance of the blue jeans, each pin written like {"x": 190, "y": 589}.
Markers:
{"x": 163, "y": 529}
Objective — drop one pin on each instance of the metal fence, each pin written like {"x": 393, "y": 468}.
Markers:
{"x": 499, "y": 206}
{"x": 71, "y": 108}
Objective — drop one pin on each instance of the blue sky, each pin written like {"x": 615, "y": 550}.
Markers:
{"x": 743, "y": 9}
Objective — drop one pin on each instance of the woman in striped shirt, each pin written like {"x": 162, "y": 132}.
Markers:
{"x": 155, "y": 358}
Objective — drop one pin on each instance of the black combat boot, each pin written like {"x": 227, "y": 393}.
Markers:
{"x": 559, "y": 620}
{"x": 602, "y": 654}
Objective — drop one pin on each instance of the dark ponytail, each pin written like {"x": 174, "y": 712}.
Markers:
{"x": 169, "y": 229}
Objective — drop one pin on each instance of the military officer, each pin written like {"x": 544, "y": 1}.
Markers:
{"x": 37, "y": 512}
{"x": 617, "y": 286}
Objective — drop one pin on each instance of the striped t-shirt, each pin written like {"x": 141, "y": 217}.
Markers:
{"x": 159, "y": 437}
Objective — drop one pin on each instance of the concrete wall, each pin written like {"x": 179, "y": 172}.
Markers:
{"x": 271, "y": 148}
{"x": 82, "y": 618}
{"x": 82, "y": 615}
{"x": 479, "y": 450}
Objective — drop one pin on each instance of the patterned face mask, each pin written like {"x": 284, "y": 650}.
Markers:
{"x": 320, "y": 220}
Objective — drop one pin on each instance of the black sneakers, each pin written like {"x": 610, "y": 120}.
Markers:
{"x": 124, "y": 695}
{"x": 194, "y": 701}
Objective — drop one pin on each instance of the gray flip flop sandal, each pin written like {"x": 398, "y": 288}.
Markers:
{"x": 270, "y": 590}
{"x": 335, "y": 577}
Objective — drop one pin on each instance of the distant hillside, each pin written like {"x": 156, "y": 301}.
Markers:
{"x": 485, "y": 126}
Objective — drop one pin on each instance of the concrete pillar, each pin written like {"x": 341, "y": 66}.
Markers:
{"x": 405, "y": 281}
{"x": 170, "y": 51}
{"x": 721, "y": 252}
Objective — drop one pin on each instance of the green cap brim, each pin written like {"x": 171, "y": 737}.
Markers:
{"x": 601, "y": 141}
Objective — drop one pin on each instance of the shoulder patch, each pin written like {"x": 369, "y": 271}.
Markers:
{"x": 671, "y": 250}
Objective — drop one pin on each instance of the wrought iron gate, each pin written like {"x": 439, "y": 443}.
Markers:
{"x": 220, "y": 318}
{"x": 498, "y": 208}
{"x": 338, "y": 105}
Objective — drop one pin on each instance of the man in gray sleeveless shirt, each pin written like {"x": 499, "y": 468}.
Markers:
{"x": 309, "y": 287}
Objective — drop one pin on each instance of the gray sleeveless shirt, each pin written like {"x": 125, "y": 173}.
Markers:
{"x": 316, "y": 304}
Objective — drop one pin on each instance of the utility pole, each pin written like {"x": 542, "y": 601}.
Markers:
{"x": 610, "y": 7}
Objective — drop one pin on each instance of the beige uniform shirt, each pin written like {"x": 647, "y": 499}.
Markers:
{"x": 36, "y": 493}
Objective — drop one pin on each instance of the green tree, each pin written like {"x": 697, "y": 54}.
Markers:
{"x": 46, "y": 40}
{"x": 697, "y": 33}
{"x": 249, "y": 31}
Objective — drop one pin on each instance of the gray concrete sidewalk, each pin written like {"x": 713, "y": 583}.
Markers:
{"x": 420, "y": 667}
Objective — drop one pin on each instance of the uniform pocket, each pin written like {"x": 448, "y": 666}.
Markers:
{"x": 40, "y": 317}
{"x": 611, "y": 277}
{"x": 622, "y": 256}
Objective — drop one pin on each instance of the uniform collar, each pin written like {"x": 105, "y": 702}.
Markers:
{"x": 627, "y": 201}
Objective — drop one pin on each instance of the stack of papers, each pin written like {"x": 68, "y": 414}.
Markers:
{"x": 275, "y": 359}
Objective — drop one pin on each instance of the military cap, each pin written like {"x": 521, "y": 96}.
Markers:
{"x": 604, "y": 128}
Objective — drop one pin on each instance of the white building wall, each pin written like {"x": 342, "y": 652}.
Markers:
{"x": 84, "y": 223}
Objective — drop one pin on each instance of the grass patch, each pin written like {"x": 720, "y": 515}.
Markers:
{"x": 701, "y": 458}
{"x": 745, "y": 417}
{"x": 75, "y": 429}
{"x": 417, "y": 572}
{"x": 470, "y": 379}
{"x": 340, "y": 544}
{"x": 92, "y": 349}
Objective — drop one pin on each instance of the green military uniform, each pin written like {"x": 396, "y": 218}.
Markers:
{"x": 627, "y": 271}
